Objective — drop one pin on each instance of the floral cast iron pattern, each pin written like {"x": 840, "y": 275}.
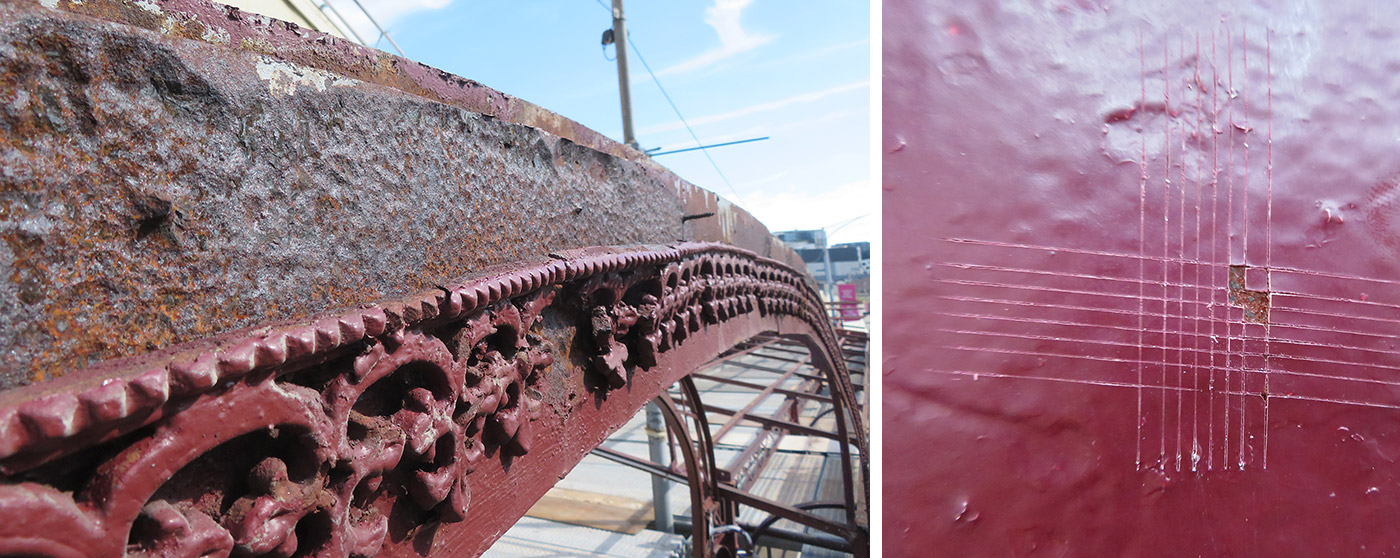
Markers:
{"x": 293, "y": 440}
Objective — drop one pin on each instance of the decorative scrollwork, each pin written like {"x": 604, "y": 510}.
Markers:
{"x": 304, "y": 439}
{"x": 638, "y": 314}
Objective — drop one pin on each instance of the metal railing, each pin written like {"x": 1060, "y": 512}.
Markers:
{"x": 344, "y": 25}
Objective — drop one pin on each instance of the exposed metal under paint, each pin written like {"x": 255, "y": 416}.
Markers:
{"x": 1254, "y": 303}
{"x": 177, "y": 175}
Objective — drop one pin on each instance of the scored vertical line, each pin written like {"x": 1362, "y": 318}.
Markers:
{"x": 1243, "y": 400}
{"x": 1166, "y": 228}
{"x": 1229, "y": 229}
{"x": 1196, "y": 324}
{"x": 1181, "y": 269}
{"x": 1215, "y": 238}
{"x": 1142, "y": 245}
{"x": 1268, "y": 232}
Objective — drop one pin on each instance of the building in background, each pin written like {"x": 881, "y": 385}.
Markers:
{"x": 306, "y": 13}
{"x": 850, "y": 262}
{"x": 804, "y": 240}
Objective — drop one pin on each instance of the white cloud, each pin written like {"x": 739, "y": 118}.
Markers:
{"x": 386, "y": 12}
{"x": 809, "y": 55}
{"x": 754, "y": 109}
{"x": 796, "y": 209}
{"x": 782, "y": 132}
{"x": 752, "y": 184}
{"x": 726, "y": 17}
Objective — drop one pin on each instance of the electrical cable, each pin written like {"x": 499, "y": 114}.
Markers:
{"x": 703, "y": 149}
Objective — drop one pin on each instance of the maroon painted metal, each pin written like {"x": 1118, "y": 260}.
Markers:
{"x": 416, "y": 426}
{"x": 1144, "y": 258}
{"x": 722, "y": 489}
{"x": 187, "y": 190}
{"x": 177, "y": 169}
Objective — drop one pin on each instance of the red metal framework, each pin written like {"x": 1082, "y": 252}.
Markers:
{"x": 721, "y": 489}
{"x": 186, "y": 183}
{"x": 416, "y": 426}
{"x": 1145, "y": 260}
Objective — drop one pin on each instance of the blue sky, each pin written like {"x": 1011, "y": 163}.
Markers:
{"x": 798, "y": 72}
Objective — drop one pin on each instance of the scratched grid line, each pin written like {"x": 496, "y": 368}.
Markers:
{"x": 1215, "y": 240}
{"x": 1243, "y": 386}
{"x": 1200, "y": 337}
{"x": 1166, "y": 245}
{"x": 1125, "y": 345}
{"x": 1142, "y": 251}
{"x": 1244, "y": 209}
{"x": 1186, "y": 284}
{"x": 1268, "y": 227}
{"x": 1196, "y": 325}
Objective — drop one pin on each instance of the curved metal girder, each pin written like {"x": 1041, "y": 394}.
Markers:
{"x": 420, "y": 425}
{"x": 697, "y": 481}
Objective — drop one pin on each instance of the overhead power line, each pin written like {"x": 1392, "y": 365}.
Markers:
{"x": 703, "y": 148}
{"x": 344, "y": 25}
{"x": 657, "y": 151}
{"x": 699, "y": 144}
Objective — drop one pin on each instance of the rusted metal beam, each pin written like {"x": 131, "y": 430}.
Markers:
{"x": 775, "y": 370}
{"x": 292, "y": 296}
{"x": 758, "y": 399}
{"x": 198, "y": 169}
{"x": 750, "y": 346}
{"x": 745, "y": 467}
{"x": 740, "y": 479}
{"x": 639, "y": 463}
{"x": 454, "y": 384}
{"x": 761, "y": 387}
{"x": 777, "y": 423}
{"x": 776, "y": 509}
{"x": 788, "y": 512}
{"x": 749, "y": 464}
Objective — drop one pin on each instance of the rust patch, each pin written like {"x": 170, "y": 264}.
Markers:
{"x": 1254, "y": 303}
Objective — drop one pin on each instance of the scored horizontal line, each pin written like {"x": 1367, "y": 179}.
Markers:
{"x": 1106, "y": 383}
{"x": 1151, "y": 362}
{"x": 1159, "y": 258}
{"x": 1227, "y": 335}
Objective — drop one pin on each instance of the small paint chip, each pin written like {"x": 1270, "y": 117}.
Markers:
{"x": 1254, "y": 303}
{"x": 283, "y": 78}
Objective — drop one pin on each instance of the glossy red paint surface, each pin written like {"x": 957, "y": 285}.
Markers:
{"x": 1141, "y": 278}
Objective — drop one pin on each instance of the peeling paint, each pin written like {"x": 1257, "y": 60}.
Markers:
{"x": 149, "y": 6}
{"x": 284, "y": 78}
{"x": 1254, "y": 303}
{"x": 225, "y": 204}
{"x": 725, "y": 214}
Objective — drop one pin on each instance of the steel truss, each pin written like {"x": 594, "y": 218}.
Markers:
{"x": 719, "y": 491}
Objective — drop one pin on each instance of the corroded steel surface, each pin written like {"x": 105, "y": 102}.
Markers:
{"x": 419, "y": 425}
{"x": 174, "y": 170}
{"x": 1145, "y": 259}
